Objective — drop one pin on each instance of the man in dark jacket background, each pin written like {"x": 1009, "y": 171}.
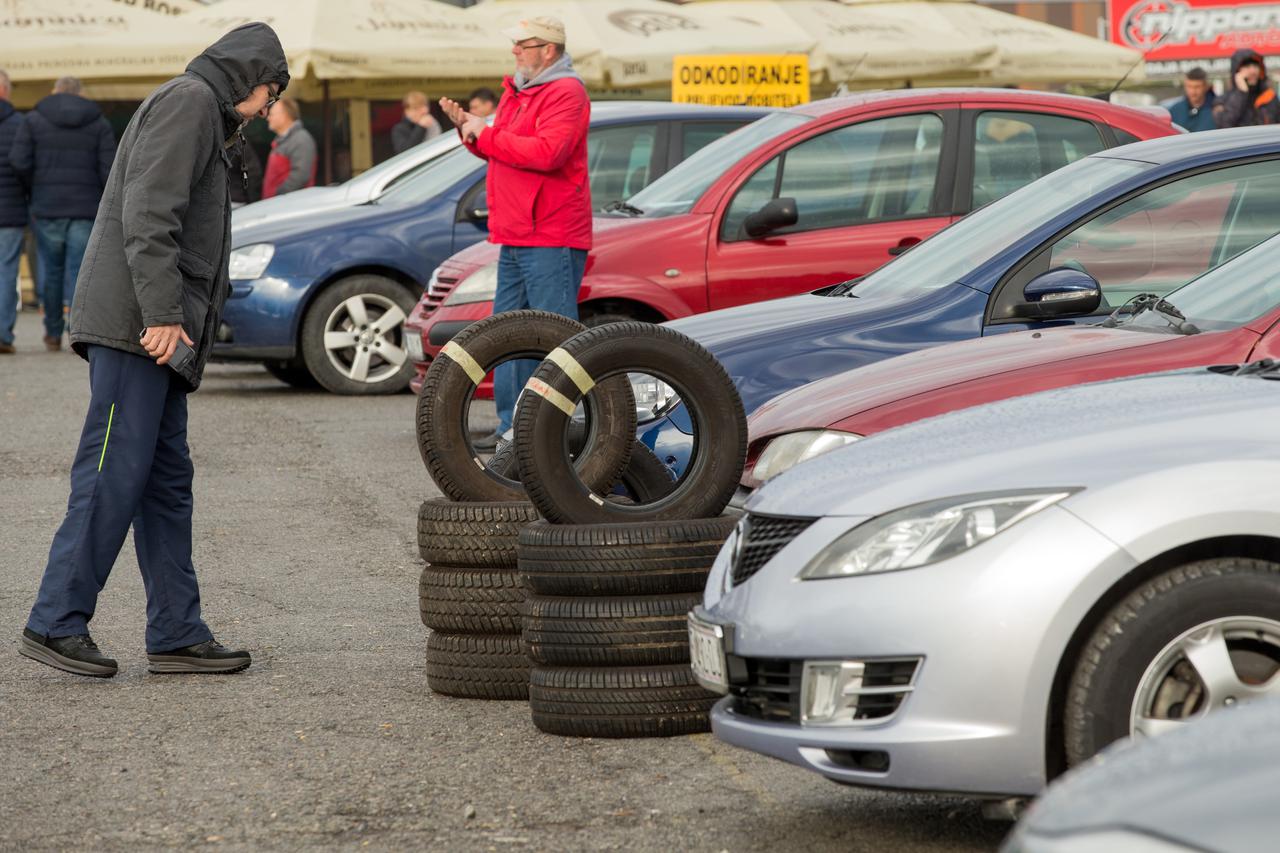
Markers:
{"x": 1250, "y": 100}
{"x": 1194, "y": 110}
{"x": 13, "y": 219}
{"x": 156, "y": 265}
{"x": 63, "y": 153}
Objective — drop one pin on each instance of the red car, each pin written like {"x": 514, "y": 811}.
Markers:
{"x": 1230, "y": 314}
{"x": 804, "y": 198}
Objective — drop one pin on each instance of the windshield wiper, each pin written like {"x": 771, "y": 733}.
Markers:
{"x": 1151, "y": 302}
{"x": 623, "y": 207}
{"x": 843, "y": 288}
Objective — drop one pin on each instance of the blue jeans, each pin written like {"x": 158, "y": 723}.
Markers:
{"x": 542, "y": 278}
{"x": 60, "y": 245}
{"x": 132, "y": 468}
{"x": 10, "y": 252}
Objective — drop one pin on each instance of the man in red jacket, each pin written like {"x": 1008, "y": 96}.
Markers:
{"x": 538, "y": 193}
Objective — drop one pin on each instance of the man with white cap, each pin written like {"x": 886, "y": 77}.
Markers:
{"x": 539, "y": 196}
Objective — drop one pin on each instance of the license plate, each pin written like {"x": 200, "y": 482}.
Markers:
{"x": 706, "y": 655}
{"x": 413, "y": 345}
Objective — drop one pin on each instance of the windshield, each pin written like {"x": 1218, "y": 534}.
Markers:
{"x": 677, "y": 191}
{"x": 1227, "y": 296}
{"x": 956, "y": 251}
{"x": 432, "y": 178}
{"x": 427, "y": 152}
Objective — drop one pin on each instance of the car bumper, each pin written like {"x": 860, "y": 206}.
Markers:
{"x": 436, "y": 328}
{"x": 989, "y": 629}
{"x": 261, "y": 318}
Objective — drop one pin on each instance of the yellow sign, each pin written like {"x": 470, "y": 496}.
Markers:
{"x": 765, "y": 80}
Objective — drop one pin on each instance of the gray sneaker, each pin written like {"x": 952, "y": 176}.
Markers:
{"x": 77, "y": 654}
{"x": 207, "y": 657}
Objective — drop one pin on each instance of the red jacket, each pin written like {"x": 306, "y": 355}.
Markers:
{"x": 537, "y": 187}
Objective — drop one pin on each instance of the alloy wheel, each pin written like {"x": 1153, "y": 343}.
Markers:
{"x": 363, "y": 337}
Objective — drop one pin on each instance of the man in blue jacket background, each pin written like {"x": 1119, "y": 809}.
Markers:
{"x": 63, "y": 152}
{"x": 13, "y": 219}
{"x": 1194, "y": 110}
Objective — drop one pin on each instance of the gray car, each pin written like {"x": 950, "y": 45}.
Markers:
{"x": 1210, "y": 786}
{"x": 975, "y": 602}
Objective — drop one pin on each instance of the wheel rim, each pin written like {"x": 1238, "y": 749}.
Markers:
{"x": 1214, "y": 665}
{"x": 363, "y": 337}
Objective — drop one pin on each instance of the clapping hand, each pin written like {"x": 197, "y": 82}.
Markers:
{"x": 471, "y": 126}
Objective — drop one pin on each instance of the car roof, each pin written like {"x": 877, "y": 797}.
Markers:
{"x": 1240, "y": 141}
{"x": 618, "y": 110}
{"x": 828, "y": 106}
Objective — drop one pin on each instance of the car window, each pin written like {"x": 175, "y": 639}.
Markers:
{"x": 696, "y": 135}
{"x": 867, "y": 172}
{"x": 619, "y": 161}
{"x": 432, "y": 178}
{"x": 1165, "y": 237}
{"x": 1228, "y": 295}
{"x": 1012, "y": 149}
{"x": 1124, "y": 137}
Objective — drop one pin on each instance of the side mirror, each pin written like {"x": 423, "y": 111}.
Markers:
{"x": 1061, "y": 292}
{"x": 779, "y": 213}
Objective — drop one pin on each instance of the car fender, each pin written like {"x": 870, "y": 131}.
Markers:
{"x": 635, "y": 289}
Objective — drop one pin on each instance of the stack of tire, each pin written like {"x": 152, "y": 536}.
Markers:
{"x": 610, "y": 577}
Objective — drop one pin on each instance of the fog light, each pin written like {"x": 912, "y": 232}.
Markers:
{"x": 854, "y": 692}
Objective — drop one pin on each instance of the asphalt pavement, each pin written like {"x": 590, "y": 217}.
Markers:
{"x": 305, "y": 546}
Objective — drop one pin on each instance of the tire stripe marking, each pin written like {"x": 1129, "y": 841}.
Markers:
{"x": 572, "y": 369}
{"x": 464, "y": 360}
{"x": 110, "y": 418}
{"x": 551, "y": 395}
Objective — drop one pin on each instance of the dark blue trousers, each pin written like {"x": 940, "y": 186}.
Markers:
{"x": 132, "y": 467}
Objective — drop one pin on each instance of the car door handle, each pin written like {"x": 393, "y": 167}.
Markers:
{"x": 903, "y": 244}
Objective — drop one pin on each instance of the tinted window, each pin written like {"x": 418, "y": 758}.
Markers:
{"x": 432, "y": 178}
{"x": 876, "y": 170}
{"x": 1124, "y": 137}
{"x": 1229, "y": 295}
{"x": 619, "y": 161}
{"x": 694, "y": 136}
{"x": 1012, "y": 149}
{"x": 1163, "y": 238}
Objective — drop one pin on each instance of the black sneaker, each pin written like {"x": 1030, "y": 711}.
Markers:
{"x": 78, "y": 654}
{"x": 487, "y": 444}
{"x": 209, "y": 656}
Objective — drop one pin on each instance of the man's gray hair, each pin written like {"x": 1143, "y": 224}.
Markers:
{"x": 67, "y": 86}
{"x": 6, "y": 85}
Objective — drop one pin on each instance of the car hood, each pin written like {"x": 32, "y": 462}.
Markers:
{"x": 308, "y": 225}
{"x": 1086, "y": 436}
{"x": 1208, "y": 786}
{"x": 297, "y": 203}
{"x": 835, "y": 398}
{"x": 606, "y": 232}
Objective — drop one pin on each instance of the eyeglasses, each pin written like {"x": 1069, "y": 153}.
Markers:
{"x": 273, "y": 95}
{"x": 519, "y": 46}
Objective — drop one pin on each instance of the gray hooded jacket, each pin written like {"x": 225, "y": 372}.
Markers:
{"x": 160, "y": 243}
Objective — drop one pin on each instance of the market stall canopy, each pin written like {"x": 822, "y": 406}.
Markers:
{"x": 861, "y": 44}
{"x": 1029, "y": 51}
{"x": 630, "y": 43}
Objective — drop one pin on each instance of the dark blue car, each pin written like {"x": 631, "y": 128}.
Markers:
{"x": 323, "y": 298}
{"x": 1069, "y": 248}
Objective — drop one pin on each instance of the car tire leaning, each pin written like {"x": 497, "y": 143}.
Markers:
{"x": 353, "y": 336}
{"x": 602, "y": 354}
{"x": 1143, "y": 652}
{"x": 449, "y": 385}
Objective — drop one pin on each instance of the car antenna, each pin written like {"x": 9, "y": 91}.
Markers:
{"x": 1141, "y": 59}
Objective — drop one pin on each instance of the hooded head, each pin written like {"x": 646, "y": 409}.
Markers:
{"x": 1243, "y": 57}
{"x": 236, "y": 64}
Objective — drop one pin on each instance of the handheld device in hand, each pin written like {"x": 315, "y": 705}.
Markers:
{"x": 182, "y": 354}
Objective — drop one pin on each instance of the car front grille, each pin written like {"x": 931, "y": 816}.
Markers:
{"x": 763, "y": 536}
{"x": 440, "y": 287}
{"x": 769, "y": 688}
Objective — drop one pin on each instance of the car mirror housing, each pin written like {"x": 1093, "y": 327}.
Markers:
{"x": 778, "y": 213}
{"x": 1061, "y": 292}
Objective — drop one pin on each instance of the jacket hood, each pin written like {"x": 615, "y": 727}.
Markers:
{"x": 561, "y": 69}
{"x": 6, "y": 109}
{"x": 66, "y": 110}
{"x": 244, "y": 58}
{"x": 1243, "y": 55}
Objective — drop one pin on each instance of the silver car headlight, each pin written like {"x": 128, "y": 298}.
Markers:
{"x": 251, "y": 261}
{"x": 790, "y": 449}
{"x": 480, "y": 286}
{"x": 927, "y": 533}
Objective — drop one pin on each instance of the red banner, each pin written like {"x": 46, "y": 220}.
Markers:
{"x": 1194, "y": 29}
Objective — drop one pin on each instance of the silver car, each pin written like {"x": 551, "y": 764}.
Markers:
{"x": 975, "y": 602}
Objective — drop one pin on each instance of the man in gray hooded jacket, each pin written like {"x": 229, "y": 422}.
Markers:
{"x": 154, "y": 274}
